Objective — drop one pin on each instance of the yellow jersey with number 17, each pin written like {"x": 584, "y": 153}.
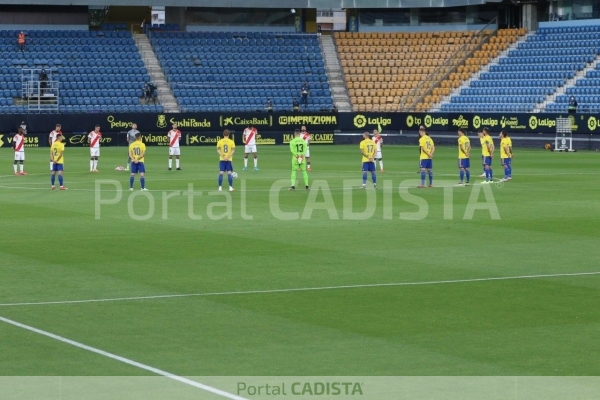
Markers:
{"x": 138, "y": 149}
{"x": 226, "y": 147}
{"x": 464, "y": 147}
{"x": 505, "y": 142}
{"x": 425, "y": 142}
{"x": 367, "y": 146}
{"x": 486, "y": 141}
{"x": 58, "y": 151}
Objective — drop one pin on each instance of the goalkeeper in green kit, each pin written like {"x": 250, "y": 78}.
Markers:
{"x": 298, "y": 149}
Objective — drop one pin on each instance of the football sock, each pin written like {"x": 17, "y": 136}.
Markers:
{"x": 308, "y": 165}
{"x": 468, "y": 174}
{"x": 52, "y": 178}
{"x": 22, "y": 166}
{"x": 462, "y": 175}
{"x": 220, "y": 179}
{"x": 230, "y": 179}
{"x": 255, "y": 162}
{"x": 245, "y": 163}
{"x": 487, "y": 175}
{"x": 131, "y": 179}
{"x": 305, "y": 176}
{"x": 422, "y": 178}
{"x": 491, "y": 175}
{"x": 364, "y": 178}
{"x": 293, "y": 177}
{"x": 170, "y": 163}
{"x": 510, "y": 171}
{"x": 381, "y": 164}
{"x": 96, "y": 164}
{"x": 430, "y": 178}
{"x": 374, "y": 177}
{"x": 177, "y": 162}
{"x": 143, "y": 182}
{"x": 15, "y": 168}
{"x": 60, "y": 180}
{"x": 91, "y": 165}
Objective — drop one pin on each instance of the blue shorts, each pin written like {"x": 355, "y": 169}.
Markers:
{"x": 464, "y": 163}
{"x": 487, "y": 160}
{"x": 427, "y": 164}
{"x": 368, "y": 166}
{"x": 138, "y": 168}
{"x": 506, "y": 161}
{"x": 225, "y": 166}
{"x": 57, "y": 167}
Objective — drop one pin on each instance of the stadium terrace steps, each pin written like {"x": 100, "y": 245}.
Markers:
{"x": 239, "y": 71}
{"x": 584, "y": 86}
{"x": 97, "y": 71}
{"x": 485, "y": 68}
{"x": 334, "y": 74}
{"x": 157, "y": 75}
{"x": 530, "y": 73}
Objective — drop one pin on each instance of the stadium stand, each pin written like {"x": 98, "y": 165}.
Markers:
{"x": 213, "y": 71}
{"x": 535, "y": 69}
{"x": 98, "y": 71}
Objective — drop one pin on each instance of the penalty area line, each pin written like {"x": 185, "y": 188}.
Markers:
{"x": 124, "y": 360}
{"x": 305, "y": 289}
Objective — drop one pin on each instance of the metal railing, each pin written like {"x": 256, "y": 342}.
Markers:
{"x": 342, "y": 73}
{"x": 441, "y": 73}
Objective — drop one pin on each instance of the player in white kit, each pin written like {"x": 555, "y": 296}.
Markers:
{"x": 174, "y": 136}
{"x": 94, "y": 138}
{"x": 19, "y": 148}
{"x": 249, "y": 138}
{"x": 306, "y": 137}
{"x": 52, "y": 139}
{"x": 378, "y": 142}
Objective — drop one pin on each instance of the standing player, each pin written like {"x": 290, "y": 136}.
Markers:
{"x": 306, "y": 137}
{"x": 225, "y": 149}
{"x": 506, "y": 155}
{"x": 299, "y": 149}
{"x": 464, "y": 152}
{"x": 52, "y": 139}
{"x": 249, "y": 138}
{"x": 57, "y": 155}
{"x": 487, "y": 151}
{"x": 137, "y": 152}
{"x": 174, "y": 136}
{"x": 427, "y": 148}
{"x": 378, "y": 140}
{"x": 130, "y": 139}
{"x": 19, "y": 147}
{"x": 367, "y": 149}
{"x": 94, "y": 142}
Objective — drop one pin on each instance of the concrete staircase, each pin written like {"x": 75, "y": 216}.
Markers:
{"x": 541, "y": 107}
{"x": 335, "y": 75}
{"x": 157, "y": 75}
{"x": 476, "y": 75}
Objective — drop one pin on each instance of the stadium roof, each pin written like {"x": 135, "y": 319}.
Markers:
{"x": 319, "y": 4}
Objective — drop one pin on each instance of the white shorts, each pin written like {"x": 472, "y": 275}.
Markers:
{"x": 378, "y": 155}
{"x": 251, "y": 148}
{"x": 95, "y": 152}
{"x": 307, "y": 152}
{"x": 174, "y": 151}
{"x": 19, "y": 156}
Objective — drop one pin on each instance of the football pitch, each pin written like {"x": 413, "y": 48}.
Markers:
{"x": 264, "y": 281}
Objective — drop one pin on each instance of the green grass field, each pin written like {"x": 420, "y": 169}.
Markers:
{"x": 54, "y": 249}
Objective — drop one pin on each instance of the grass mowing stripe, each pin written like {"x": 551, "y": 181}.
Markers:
{"x": 123, "y": 360}
{"x": 267, "y": 291}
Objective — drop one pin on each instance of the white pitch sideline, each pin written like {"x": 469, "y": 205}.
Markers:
{"x": 124, "y": 360}
{"x": 305, "y": 289}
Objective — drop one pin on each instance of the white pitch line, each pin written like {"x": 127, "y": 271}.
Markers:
{"x": 124, "y": 360}
{"x": 305, "y": 289}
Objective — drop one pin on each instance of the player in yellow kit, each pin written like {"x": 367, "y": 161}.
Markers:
{"x": 506, "y": 155}
{"x": 427, "y": 148}
{"x": 225, "y": 149}
{"x": 464, "y": 154}
{"x": 487, "y": 151}
{"x": 368, "y": 149}
{"x": 57, "y": 155}
{"x": 137, "y": 153}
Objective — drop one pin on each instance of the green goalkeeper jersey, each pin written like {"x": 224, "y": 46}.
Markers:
{"x": 297, "y": 147}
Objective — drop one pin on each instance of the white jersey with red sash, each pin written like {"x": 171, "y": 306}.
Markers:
{"x": 378, "y": 142}
{"x": 19, "y": 143}
{"x": 250, "y": 136}
{"x": 95, "y": 139}
{"x": 174, "y": 136}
